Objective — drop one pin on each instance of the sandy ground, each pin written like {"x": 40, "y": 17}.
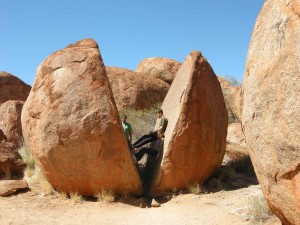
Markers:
{"x": 223, "y": 207}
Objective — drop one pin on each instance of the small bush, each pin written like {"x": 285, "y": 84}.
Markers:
{"x": 258, "y": 209}
{"x": 226, "y": 174}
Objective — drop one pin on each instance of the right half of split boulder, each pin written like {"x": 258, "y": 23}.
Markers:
{"x": 195, "y": 138}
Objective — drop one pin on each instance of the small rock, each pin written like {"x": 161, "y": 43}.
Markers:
{"x": 8, "y": 187}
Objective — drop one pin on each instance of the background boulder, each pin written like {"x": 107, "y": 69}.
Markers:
{"x": 10, "y": 121}
{"x": 160, "y": 68}
{"x": 271, "y": 99}
{"x": 71, "y": 124}
{"x": 235, "y": 141}
{"x": 12, "y": 88}
{"x": 137, "y": 91}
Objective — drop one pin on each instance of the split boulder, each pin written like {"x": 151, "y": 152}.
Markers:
{"x": 71, "y": 124}
{"x": 195, "y": 138}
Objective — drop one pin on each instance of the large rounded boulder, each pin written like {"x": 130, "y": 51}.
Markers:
{"x": 195, "y": 138}
{"x": 12, "y": 88}
{"x": 71, "y": 124}
{"x": 271, "y": 100}
{"x": 137, "y": 91}
{"x": 160, "y": 68}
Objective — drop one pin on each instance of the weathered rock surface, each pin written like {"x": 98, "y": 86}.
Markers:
{"x": 195, "y": 138}
{"x": 235, "y": 141}
{"x": 10, "y": 160}
{"x": 8, "y": 187}
{"x": 12, "y": 88}
{"x": 271, "y": 100}
{"x": 10, "y": 121}
{"x": 132, "y": 90}
{"x": 71, "y": 124}
{"x": 160, "y": 68}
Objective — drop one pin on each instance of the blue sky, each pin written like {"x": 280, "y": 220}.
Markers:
{"x": 127, "y": 31}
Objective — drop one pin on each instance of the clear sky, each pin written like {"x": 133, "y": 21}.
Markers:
{"x": 127, "y": 31}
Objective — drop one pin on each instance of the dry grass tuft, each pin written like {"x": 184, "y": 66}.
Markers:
{"x": 75, "y": 198}
{"x": 27, "y": 156}
{"x": 106, "y": 196}
{"x": 195, "y": 188}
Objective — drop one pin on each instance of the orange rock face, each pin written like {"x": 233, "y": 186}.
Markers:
{"x": 12, "y": 88}
{"x": 71, "y": 124}
{"x": 137, "y": 91}
{"x": 271, "y": 99}
{"x": 195, "y": 138}
{"x": 160, "y": 68}
{"x": 10, "y": 121}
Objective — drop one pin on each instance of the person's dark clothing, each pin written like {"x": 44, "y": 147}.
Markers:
{"x": 145, "y": 139}
{"x": 143, "y": 151}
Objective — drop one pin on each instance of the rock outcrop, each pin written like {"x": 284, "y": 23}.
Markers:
{"x": 160, "y": 68}
{"x": 137, "y": 91}
{"x": 10, "y": 121}
{"x": 195, "y": 138}
{"x": 71, "y": 124}
{"x": 12, "y": 88}
{"x": 271, "y": 99}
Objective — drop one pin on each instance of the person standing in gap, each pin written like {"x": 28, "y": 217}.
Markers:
{"x": 156, "y": 134}
{"x": 127, "y": 129}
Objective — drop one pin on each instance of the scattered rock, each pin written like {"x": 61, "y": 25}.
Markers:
{"x": 195, "y": 138}
{"x": 9, "y": 187}
{"x": 160, "y": 68}
{"x": 132, "y": 90}
{"x": 12, "y": 88}
{"x": 271, "y": 100}
{"x": 72, "y": 126}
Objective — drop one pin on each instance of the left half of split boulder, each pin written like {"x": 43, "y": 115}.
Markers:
{"x": 71, "y": 124}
